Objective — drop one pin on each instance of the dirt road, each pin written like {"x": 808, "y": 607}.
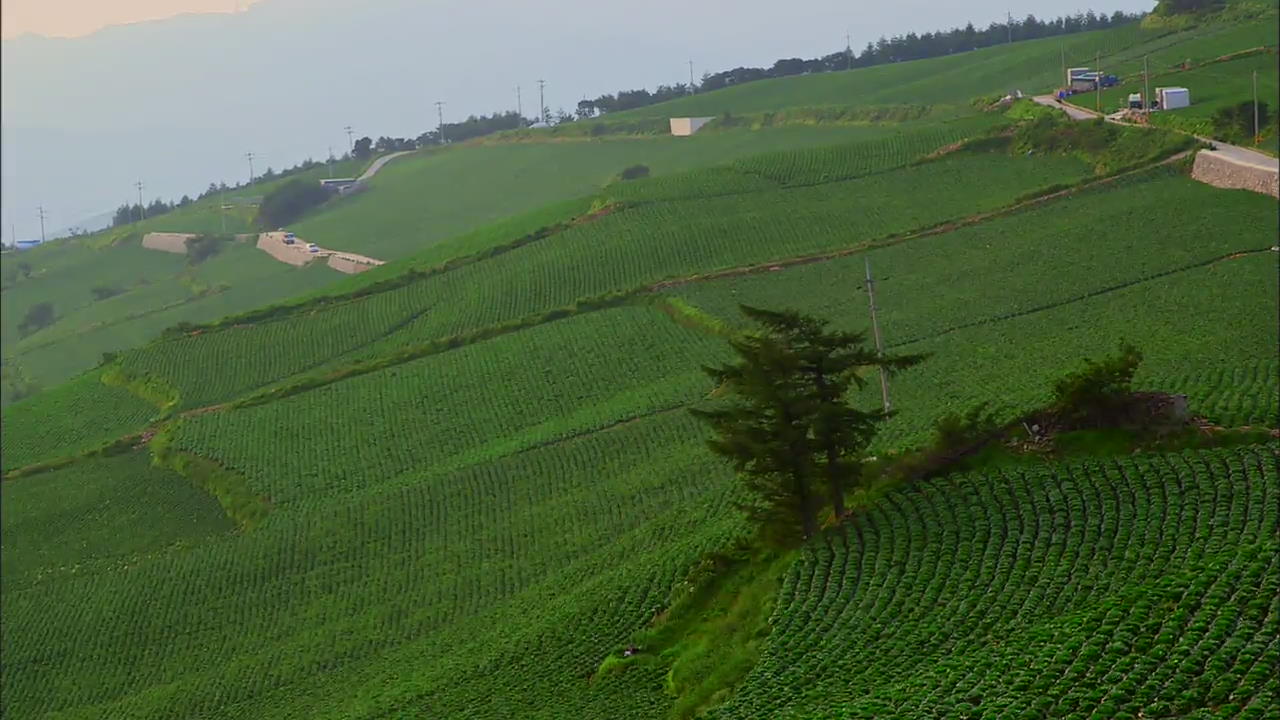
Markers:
{"x": 1072, "y": 111}
{"x": 297, "y": 253}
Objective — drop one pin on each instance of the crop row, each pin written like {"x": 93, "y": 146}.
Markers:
{"x": 74, "y": 417}
{"x": 1089, "y": 590}
{"x": 459, "y": 594}
{"x": 475, "y": 403}
{"x": 102, "y": 510}
{"x": 842, "y": 162}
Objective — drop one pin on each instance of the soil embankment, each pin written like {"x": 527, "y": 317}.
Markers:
{"x": 167, "y": 242}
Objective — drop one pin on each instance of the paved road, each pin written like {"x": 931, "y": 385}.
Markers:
{"x": 1244, "y": 156}
{"x": 379, "y": 163}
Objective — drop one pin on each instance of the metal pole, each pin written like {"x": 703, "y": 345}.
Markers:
{"x": 848, "y": 50}
{"x": 141, "y": 204}
{"x": 690, "y": 77}
{"x": 519, "y": 103}
{"x": 329, "y": 162}
{"x": 1097, "y": 81}
{"x": 1009, "y": 24}
{"x": 1146, "y": 86}
{"x": 1257, "y": 131}
{"x": 542, "y": 102}
{"x": 351, "y": 148}
{"x": 875, "y": 329}
{"x": 440, "y": 114}
{"x": 250, "y": 156}
{"x": 41, "y": 209}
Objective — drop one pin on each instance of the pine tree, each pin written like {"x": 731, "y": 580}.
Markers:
{"x": 766, "y": 436}
{"x": 792, "y": 429}
{"x": 829, "y": 363}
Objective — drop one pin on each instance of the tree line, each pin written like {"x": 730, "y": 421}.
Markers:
{"x": 899, "y": 48}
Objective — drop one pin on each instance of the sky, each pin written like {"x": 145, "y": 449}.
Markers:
{"x": 177, "y": 103}
{"x": 73, "y": 18}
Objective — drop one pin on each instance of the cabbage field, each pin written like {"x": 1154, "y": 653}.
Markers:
{"x": 1084, "y": 591}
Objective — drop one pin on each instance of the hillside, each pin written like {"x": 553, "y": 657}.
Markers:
{"x": 462, "y": 483}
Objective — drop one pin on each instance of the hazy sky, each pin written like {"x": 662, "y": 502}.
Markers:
{"x": 70, "y": 18}
{"x": 178, "y": 102}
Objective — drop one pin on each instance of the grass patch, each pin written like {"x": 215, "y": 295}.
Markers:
{"x": 712, "y": 634}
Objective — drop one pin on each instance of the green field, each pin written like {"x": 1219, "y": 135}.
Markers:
{"x": 460, "y": 484}
{"x": 1081, "y": 591}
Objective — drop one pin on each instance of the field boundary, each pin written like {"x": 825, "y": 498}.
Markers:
{"x": 888, "y": 241}
{"x": 1079, "y": 298}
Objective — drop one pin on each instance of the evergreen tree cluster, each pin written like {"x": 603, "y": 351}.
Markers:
{"x": 790, "y": 431}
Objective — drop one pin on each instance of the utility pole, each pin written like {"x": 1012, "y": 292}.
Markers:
{"x": 848, "y": 50}
{"x": 1009, "y": 24}
{"x": 440, "y": 114}
{"x": 140, "y": 203}
{"x": 691, "y": 77}
{"x": 222, "y": 204}
{"x": 1146, "y": 87}
{"x": 1097, "y": 81}
{"x": 542, "y": 102}
{"x": 1257, "y": 131}
{"x": 1062, "y": 47}
{"x": 875, "y": 329}
{"x": 329, "y": 162}
{"x": 351, "y": 148}
{"x": 40, "y": 209}
{"x": 250, "y": 156}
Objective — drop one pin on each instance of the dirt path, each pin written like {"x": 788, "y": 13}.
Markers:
{"x": 167, "y": 242}
{"x": 1072, "y": 111}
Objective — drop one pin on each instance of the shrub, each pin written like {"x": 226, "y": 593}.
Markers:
{"x": 635, "y": 172}
{"x": 289, "y": 202}
{"x": 38, "y": 317}
{"x": 1100, "y": 394}
{"x": 1236, "y": 121}
{"x": 102, "y": 292}
{"x": 203, "y": 247}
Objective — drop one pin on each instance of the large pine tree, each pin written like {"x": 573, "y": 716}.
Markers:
{"x": 790, "y": 429}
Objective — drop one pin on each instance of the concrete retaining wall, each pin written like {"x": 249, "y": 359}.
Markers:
{"x": 1220, "y": 171}
{"x": 684, "y": 127}
{"x": 350, "y": 265}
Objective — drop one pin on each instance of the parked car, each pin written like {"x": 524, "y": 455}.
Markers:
{"x": 313, "y": 248}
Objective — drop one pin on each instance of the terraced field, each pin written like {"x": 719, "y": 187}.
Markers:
{"x": 473, "y": 485}
{"x": 466, "y": 593}
{"x": 72, "y": 418}
{"x": 1088, "y": 590}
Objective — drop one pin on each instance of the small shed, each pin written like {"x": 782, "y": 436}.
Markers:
{"x": 686, "y": 126}
{"x": 1172, "y": 98}
{"x": 27, "y": 244}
